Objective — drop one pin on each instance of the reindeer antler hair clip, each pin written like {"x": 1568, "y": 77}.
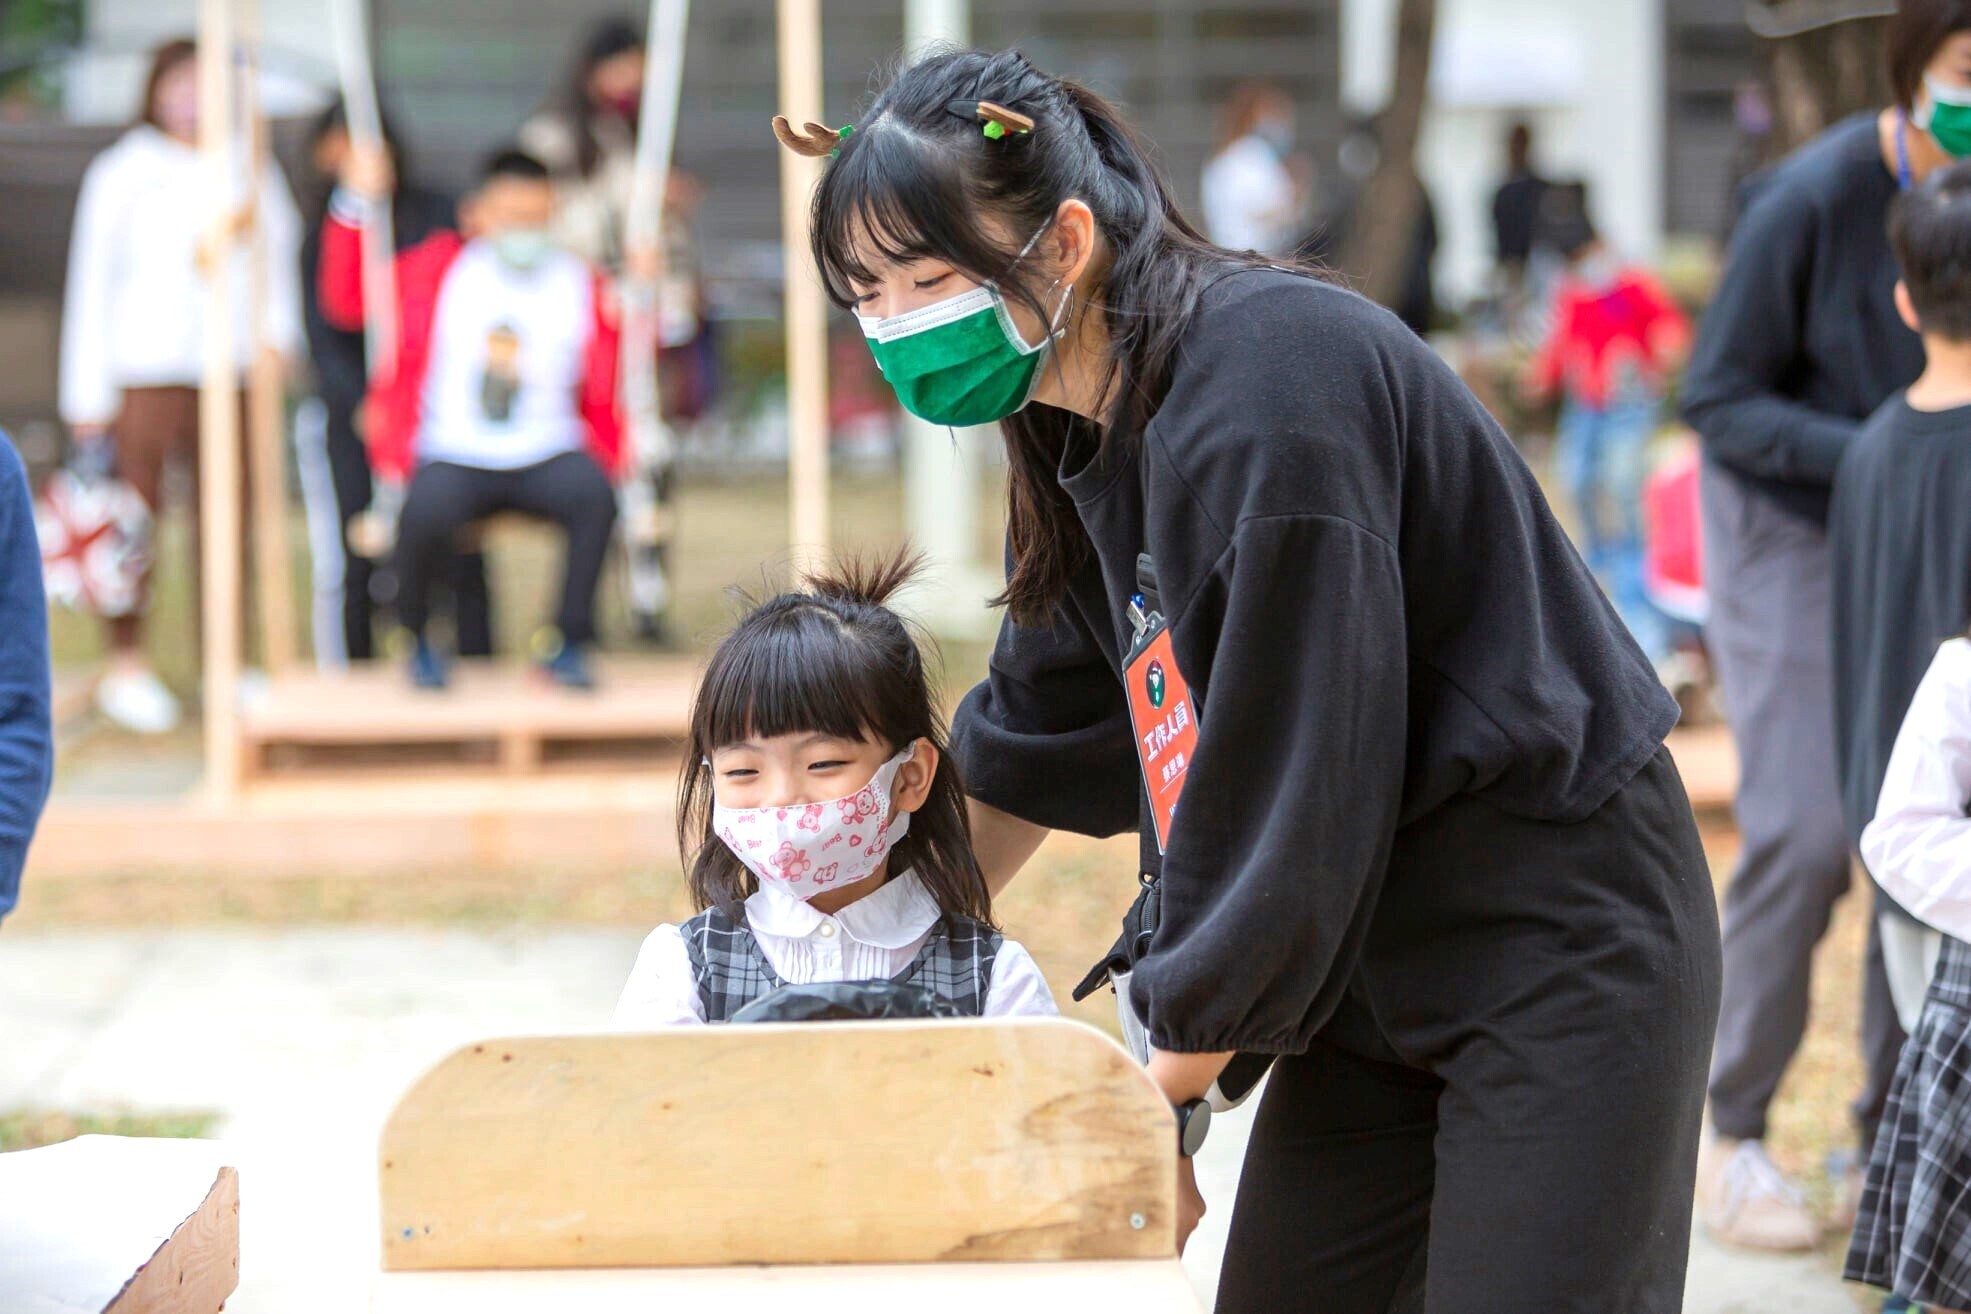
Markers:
{"x": 998, "y": 120}
{"x": 812, "y": 140}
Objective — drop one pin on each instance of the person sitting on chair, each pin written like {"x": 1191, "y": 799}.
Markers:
{"x": 503, "y": 397}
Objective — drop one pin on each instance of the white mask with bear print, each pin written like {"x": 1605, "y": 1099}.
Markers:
{"x": 806, "y": 849}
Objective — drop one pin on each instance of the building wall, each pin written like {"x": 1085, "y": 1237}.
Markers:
{"x": 1589, "y": 79}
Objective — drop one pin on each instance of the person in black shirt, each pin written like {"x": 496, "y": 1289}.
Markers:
{"x": 335, "y": 472}
{"x": 1801, "y": 344}
{"x": 1516, "y": 204}
{"x": 1430, "y": 850}
{"x": 1900, "y": 530}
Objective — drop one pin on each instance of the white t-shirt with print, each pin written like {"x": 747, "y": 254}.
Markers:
{"x": 509, "y": 353}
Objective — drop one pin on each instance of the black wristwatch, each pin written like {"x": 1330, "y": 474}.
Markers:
{"x": 1193, "y": 1121}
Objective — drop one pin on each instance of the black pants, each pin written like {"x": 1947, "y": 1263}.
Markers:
{"x": 569, "y": 490}
{"x": 464, "y": 573}
{"x": 1505, "y": 1113}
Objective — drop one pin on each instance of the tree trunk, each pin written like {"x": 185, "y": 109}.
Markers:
{"x": 1827, "y": 72}
{"x": 1376, "y": 253}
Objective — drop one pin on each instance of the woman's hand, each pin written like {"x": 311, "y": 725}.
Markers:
{"x": 367, "y": 171}
{"x": 1190, "y": 1201}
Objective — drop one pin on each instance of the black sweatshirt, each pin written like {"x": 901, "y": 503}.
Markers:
{"x": 1802, "y": 341}
{"x": 1376, "y": 612}
{"x": 1901, "y": 536}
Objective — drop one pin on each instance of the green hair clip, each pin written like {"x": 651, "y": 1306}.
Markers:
{"x": 841, "y": 134}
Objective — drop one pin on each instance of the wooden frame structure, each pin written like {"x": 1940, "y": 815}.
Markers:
{"x": 980, "y": 1162}
{"x": 229, "y": 34}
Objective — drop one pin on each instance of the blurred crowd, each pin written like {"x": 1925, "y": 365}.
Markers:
{"x": 506, "y": 317}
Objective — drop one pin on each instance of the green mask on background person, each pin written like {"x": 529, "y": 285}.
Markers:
{"x": 962, "y": 361}
{"x": 1946, "y": 116}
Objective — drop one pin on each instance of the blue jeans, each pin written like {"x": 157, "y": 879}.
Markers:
{"x": 1601, "y": 457}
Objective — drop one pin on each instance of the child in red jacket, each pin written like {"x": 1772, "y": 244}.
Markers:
{"x": 503, "y": 392}
{"x": 1617, "y": 335}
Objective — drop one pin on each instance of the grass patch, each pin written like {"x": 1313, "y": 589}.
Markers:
{"x": 24, "y": 1129}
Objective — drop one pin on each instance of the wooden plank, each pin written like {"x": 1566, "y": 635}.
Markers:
{"x": 635, "y": 699}
{"x": 219, "y": 412}
{"x": 273, "y": 568}
{"x": 118, "y": 1225}
{"x": 891, "y": 1142}
{"x": 1157, "y": 1286}
{"x": 376, "y": 823}
{"x": 799, "y": 37}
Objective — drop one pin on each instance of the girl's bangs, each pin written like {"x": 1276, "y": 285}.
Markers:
{"x": 797, "y": 674}
{"x": 886, "y": 199}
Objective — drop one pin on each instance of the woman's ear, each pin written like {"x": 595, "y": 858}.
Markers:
{"x": 1074, "y": 239}
{"x": 914, "y": 777}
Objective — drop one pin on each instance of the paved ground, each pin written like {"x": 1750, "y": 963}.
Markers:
{"x": 303, "y": 1038}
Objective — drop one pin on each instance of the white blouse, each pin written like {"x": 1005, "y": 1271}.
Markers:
{"x": 1918, "y": 848}
{"x": 875, "y": 937}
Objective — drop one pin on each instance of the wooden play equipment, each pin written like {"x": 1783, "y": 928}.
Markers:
{"x": 832, "y": 1166}
{"x": 799, "y": 28}
{"x": 118, "y": 1225}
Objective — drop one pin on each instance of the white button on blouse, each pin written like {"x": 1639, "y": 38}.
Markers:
{"x": 876, "y": 937}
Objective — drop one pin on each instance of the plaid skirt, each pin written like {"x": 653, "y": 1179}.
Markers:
{"x": 1913, "y": 1234}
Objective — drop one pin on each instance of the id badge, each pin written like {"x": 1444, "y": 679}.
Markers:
{"x": 1165, "y": 721}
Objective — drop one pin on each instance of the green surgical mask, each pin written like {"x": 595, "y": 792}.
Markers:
{"x": 1946, "y": 116}
{"x": 523, "y": 248}
{"x": 962, "y": 361}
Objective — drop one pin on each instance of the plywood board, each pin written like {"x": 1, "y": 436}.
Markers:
{"x": 1157, "y": 1286}
{"x": 635, "y": 698}
{"x": 839, "y": 1143}
{"x": 118, "y": 1225}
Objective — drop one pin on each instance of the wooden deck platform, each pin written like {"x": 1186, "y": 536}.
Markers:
{"x": 493, "y": 717}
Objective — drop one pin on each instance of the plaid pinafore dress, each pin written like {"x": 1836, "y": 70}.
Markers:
{"x": 1913, "y": 1234}
{"x": 732, "y": 970}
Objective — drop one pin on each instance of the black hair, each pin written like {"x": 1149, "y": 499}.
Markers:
{"x": 912, "y": 180}
{"x": 1930, "y": 229}
{"x": 1921, "y": 27}
{"x": 829, "y": 658}
{"x": 606, "y": 39}
{"x": 512, "y": 162}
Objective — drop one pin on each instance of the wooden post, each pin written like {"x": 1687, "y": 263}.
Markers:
{"x": 219, "y": 411}
{"x": 273, "y": 561}
{"x": 799, "y": 23}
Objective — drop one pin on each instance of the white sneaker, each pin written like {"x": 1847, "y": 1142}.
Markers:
{"x": 1746, "y": 1201}
{"x": 138, "y": 701}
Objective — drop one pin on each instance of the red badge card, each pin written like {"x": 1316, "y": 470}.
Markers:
{"x": 1166, "y": 723}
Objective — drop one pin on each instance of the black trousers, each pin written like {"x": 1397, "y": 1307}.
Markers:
{"x": 464, "y": 573}
{"x": 569, "y": 490}
{"x": 1504, "y": 1115}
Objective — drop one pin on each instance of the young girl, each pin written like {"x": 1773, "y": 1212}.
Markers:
{"x": 1913, "y": 1234}
{"x": 825, "y": 836}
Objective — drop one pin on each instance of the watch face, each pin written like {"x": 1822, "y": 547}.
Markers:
{"x": 1194, "y": 1120}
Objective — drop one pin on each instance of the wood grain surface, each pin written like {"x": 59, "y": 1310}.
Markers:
{"x": 836, "y": 1143}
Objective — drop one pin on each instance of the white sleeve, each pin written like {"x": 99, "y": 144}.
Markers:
{"x": 1918, "y": 848}
{"x": 1018, "y": 989}
{"x": 661, "y": 991}
{"x": 281, "y": 224}
{"x": 88, "y": 393}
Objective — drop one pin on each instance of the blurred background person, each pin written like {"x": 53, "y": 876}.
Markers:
{"x": 132, "y": 336}
{"x": 1801, "y": 344}
{"x": 335, "y": 469}
{"x": 502, "y": 397}
{"x": 1616, "y": 339}
{"x": 1516, "y": 207}
{"x": 1251, "y": 199}
{"x": 586, "y": 135}
{"x": 1413, "y": 293}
